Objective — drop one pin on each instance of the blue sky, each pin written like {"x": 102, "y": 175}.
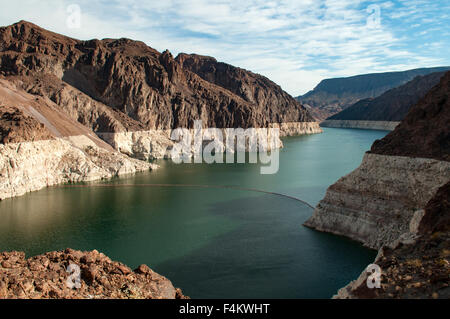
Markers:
{"x": 295, "y": 43}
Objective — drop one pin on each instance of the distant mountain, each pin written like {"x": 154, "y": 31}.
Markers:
{"x": 392, "y": 105}
{"x": 334, "y": 95}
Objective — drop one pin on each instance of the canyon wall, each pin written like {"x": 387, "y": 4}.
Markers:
{"x": 397, "y": 201}
{"x": 392, "y": 105}
{"x": 124, "y": 97}
{"x": 375, "y": 203}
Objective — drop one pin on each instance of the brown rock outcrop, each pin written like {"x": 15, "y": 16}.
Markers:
{"x": 425, "y": 132}
{"x": 46, "y": 277}
{"x": 150, "y": 89}
{"x": 273, "y": 103}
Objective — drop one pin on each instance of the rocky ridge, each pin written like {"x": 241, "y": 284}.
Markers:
{"x": 124, "y": 97}
{"x": 142, "y": 88}
{"x": 393, "y": 105}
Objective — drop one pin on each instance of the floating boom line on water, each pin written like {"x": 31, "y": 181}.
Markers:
{"x": 192, "y": 186}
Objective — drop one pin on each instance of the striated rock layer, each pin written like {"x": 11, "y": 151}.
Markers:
{"x": 392, "y": 105}
{"x": 367, "y": 125}
{"x": 46, "y": 276}
{"x": 155, "y": 144}
{"x": 375, "y": 203}
{"x": 417, "y": 265}
{"x": 31, "y": 166}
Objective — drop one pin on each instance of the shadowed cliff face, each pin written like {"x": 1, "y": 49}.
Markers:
{"x": 332, "y": 96}
{"x": 118, "y": 85}
{"x": 425, "y": 132}
{"x": 392, "y": 105}
{"x": 253, "y": 88}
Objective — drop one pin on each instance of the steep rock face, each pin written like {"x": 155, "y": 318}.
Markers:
{"x": 375, "y": 203}
{"x": 332, "y": 96}
{"x": 115, "y": 86}
{"x": 425, "y": 132}
{"x": 276, "y": 105}
{"x": 149, "y": 87}
{"x": 392, "y": 105}
{"x": 46, "y": 277}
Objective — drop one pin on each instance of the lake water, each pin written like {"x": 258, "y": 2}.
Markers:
{"x": 211, "y": 242}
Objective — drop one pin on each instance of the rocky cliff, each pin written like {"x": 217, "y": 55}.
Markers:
{"x": 397, "y": 178}
{"x": 80, "y": 109}
{"x": 115, "y": 86}
{"x": 393, "y": 105}
{"x": 397, "y": 199}
{"x": 332, "y": 96}
{"x": 46, "y": 277}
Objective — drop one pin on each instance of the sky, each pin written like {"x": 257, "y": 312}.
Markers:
{"x": 295, "y": 43}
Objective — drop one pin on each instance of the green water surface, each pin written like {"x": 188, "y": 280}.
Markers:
{"x": 211, "y": 242}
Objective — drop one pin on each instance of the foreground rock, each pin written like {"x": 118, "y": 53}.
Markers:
{"x": 46, "y": 276}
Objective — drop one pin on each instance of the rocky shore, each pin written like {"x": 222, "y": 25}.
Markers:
{"x": 46, "y": 277}
{"x": 366, "y": 125}
{"x": 417, "y": 264}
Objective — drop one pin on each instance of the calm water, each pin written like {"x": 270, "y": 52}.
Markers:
{"x": 212, "y": 242}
